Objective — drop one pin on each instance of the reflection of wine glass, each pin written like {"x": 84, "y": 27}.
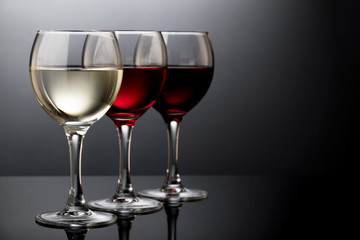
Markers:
{"x": 189, "y": 74}
{"x": 144, "y": 58}
{"x": 76, "y": 76}
{"x": 172, "y": 211}
{"x": 124, "y": 223}
{"x": 172, "y": 206}
{"x": 76, "y": 234}
{"x": 71, "y": 233}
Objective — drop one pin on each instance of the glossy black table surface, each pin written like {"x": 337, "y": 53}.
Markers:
{"x": 238, "y": 207}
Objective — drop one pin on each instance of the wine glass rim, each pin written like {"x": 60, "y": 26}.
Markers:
{"x": 186, "y": 32}
{"x": 140, "y": 31}
{"x": 74, "y": 31}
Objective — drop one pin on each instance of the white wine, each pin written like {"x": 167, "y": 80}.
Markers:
{"x": 76, "y": 96}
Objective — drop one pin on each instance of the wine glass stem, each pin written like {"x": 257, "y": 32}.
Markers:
{"x": 124, "y": 187}
{"x": 76, "y": 200}
{"x": 173, "y": 179}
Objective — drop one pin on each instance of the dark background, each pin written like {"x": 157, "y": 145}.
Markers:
{"x": 283, "y": 98}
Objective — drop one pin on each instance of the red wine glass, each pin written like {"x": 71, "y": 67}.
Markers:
{"x": 189, "y": 75}
{"x": 144, "y": 60}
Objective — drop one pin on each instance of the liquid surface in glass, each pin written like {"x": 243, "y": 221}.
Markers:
{"x": 75, "y": 95}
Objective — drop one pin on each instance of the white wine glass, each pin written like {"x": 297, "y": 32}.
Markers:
{"x": 188, "y": 77}
{"x": 75, "y": 76}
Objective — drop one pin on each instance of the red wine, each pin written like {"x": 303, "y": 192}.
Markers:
{"x": 139, "y": 88}
{"x": 184, "y": 88}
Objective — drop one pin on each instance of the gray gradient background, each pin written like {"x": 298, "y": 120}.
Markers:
{"x": 279, "y": 102}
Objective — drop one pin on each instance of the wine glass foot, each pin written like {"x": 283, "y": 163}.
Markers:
{"x": 184, "y": 195}
{"x": 126, "y": 206}
{"x": 88, "y": 219}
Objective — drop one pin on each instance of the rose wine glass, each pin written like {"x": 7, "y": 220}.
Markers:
{"x": 144, "y": 59}
{"x": 189, "y": 74}
{"x": 75, "y": 76}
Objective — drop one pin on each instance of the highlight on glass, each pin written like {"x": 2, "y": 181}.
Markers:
{"x": 189, "y": 75}
{"x": 75, "y": 76}
{"x": 144, "y": 59}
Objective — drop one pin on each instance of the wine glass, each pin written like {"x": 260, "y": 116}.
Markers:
{"x": 144, "y": 59}
{"x": 75, "y": 76}
{"x": 189, "y": 75}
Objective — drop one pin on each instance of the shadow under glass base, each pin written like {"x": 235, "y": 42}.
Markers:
{"x": 125, "y": 206}
{"x": 88, "y": 219}
{"x": 184, "y": 195}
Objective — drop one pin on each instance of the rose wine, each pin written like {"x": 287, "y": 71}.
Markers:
{"x": 140, "y": 87}
{"x": 184, "y": 88}
{"x": 76, "y": 95}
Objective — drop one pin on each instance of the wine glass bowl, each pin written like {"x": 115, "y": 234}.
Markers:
{"x": 189, "y": 75}
{"x": 144, "y": 59}
{"x": 75, "y": 76}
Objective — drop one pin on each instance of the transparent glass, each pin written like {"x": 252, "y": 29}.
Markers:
{"x": 144, "y": 58}
{"x": 189, "y": 75}
{"x": 75, "y": 76}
